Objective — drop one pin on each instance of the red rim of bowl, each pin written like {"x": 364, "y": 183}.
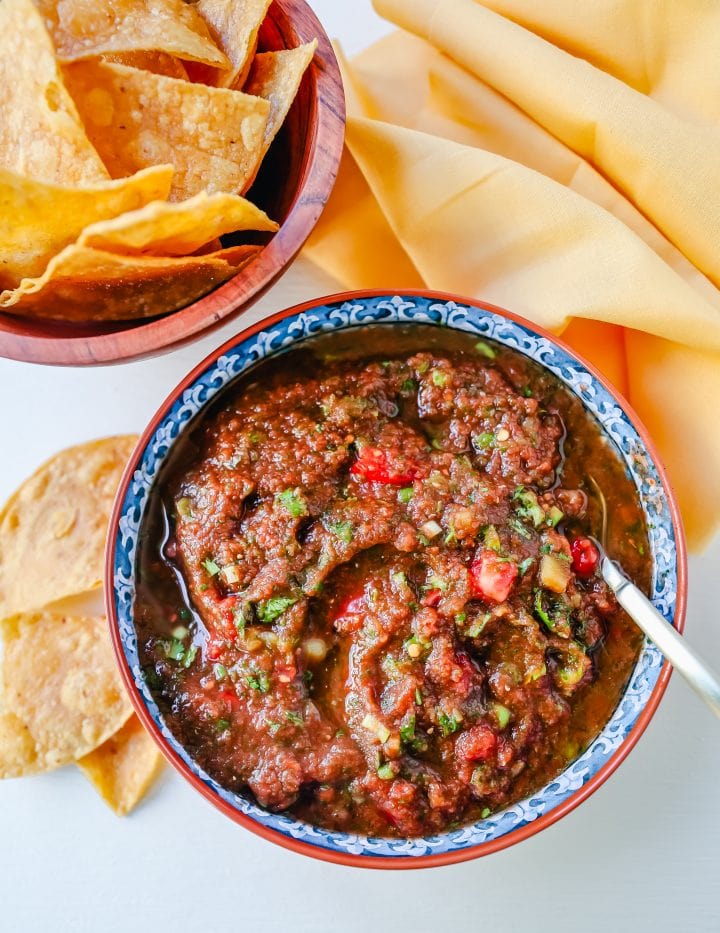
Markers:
{"x": 385, "y": 862}
{"x": 325, "y": 145}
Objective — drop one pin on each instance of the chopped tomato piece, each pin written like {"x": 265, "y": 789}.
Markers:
{"x": 585, "y": 557}
{"x": 376, "y": 465}
{"x": 432, "y": 598}
{"x": 476, "y": 744}
{"x": 492, "y": 578}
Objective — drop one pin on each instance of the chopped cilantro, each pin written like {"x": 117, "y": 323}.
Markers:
{"x": 525, "y": 565}
{"x": 239, "y": 618}
{"x": 259, "y": 681}
{"x": 222, "y": 725}
{"x": 448, "y": 723}
{"x": 528, "y": 506}
{"x": 342, "y": 530}
{"x": 269, "y": 611}
{"x": 294, "y": 718}
{"x": 273, "y": 728}
{"x": 460, "y": 617}
{"x": 220, "y": 672}
{"x": 399, "y": 578}
{"x": 174, "y": 650}
{"x": 292, "y": 503}
{"x": 407, "y": 731}
{"x": 541, "y": 612}
{"x": 409, "y": 385}
{"x": 518, "y": 526}
{"x": 211, "y": 567}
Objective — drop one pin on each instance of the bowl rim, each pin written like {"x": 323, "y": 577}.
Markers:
{"x": 147, "y": 338}
{"x": 454, "y": 856}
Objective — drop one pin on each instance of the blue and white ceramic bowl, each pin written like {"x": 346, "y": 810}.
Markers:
{"x": 354, "y": 310}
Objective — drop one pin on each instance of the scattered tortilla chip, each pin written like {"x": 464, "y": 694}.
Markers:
{"x": 234, "y": 26}
{"x": 178, "y": 229}
{"x": 212, "y": 136}
{"x": 41, "y": 134}
{"x": 160, "y": 63}
{"x": 47, "y": 217}
{"x": 82, "y": 284}
{"x": 276, "y": 77}
{"x": 86, "y": 28}
{"x": 123, "y": 768}
{"x": 53, "y": 528}
{"x": 62, "y": 692}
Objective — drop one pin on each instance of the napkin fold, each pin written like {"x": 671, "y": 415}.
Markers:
{"x": 562, "y": 164}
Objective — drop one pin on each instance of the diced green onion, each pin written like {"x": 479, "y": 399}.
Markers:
{"x": 239, "y": 618}
{"x": 485, "y": 813}
{"x": 342, "y": 530}
{"x": 418, "y": 697}
{"x": 502, "y": 714}
{"x": 491, "y": 539}
{"x": 528, "y": 506}
{"x": 525, "y": 565}
{"x": 484, "y": 349}
{"x": 555, "y": 516}
{"x": 385, "y": 772}
{"x": 294, "y": 718}
{"x": 406, "y": 494}
{"x": 460, "y": 618}
{"x": 212, "y": 568}
{"x": 180, "y": 632}
{"x": 483, "y": 441}
{"x": 184, "y": 507}
{"x": 220, "y": 672}
{"x": 439, "y": 378}
{"x": 292, "y": 503}
{"x": 190, "y": 655}
{"x": 222, "y": 725}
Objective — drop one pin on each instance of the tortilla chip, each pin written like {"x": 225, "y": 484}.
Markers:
{"x": 41, "y": 134}
{"x": 234, "y": 26}
{"x": 47, "y": 217}
{"x": 276, "y": 77}
{"x": 86, "y": 28}
{"x": 212, "y": 136}
{"x": 164, "y": 229}
{"x": 124, "y": 767}
{"x": 160, "y": 63}
{"x": 62, "y": 692}
{"x": 83, "y": 284}
{"x": 53, "y": 528}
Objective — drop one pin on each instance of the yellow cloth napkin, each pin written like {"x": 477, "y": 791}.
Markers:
{"x": 561, "y": 160}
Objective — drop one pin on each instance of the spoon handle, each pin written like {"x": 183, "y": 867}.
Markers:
{"x": 685, "y": 661}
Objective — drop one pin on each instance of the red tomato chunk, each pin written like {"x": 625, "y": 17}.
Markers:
{"x": 492, "y": 577}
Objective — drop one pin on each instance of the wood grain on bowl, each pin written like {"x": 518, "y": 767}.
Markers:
{"x": 305, "y": 156}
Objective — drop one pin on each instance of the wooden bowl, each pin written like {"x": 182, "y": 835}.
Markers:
{"x": 293, "y": 186}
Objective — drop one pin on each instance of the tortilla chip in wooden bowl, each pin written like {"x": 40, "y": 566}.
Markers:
{"x": 59, "y": 314}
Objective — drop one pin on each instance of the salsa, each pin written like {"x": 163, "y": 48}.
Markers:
{"x": 367, "y": 590}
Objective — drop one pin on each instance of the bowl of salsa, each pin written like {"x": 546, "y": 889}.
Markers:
{"x": 352, "y": 583}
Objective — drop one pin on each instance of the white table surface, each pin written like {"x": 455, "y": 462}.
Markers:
{"x": 641, "y": 854}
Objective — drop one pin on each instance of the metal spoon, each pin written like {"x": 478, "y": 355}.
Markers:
{"x": 676, "y": 650}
